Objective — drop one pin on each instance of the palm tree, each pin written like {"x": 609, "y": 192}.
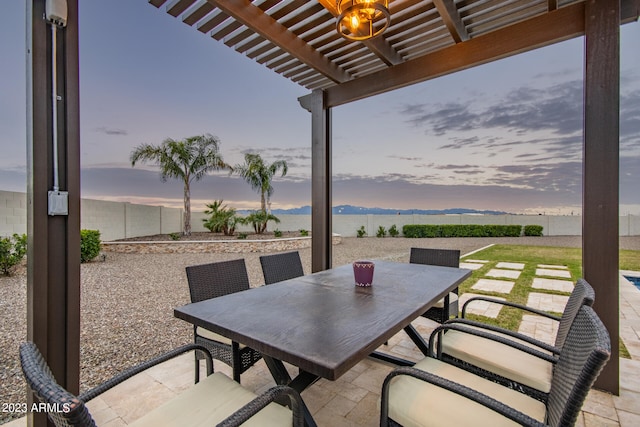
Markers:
{"x": 259, "y": 175}
{"x": 189, "y": 160}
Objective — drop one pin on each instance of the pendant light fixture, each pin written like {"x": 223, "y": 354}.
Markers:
{"x": 362, "y": 19}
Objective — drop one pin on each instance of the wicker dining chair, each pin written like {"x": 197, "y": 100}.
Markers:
{"x": 213, "y": 280}
{"x": 505, "y": 356}
{"x": 445, "y": 258}
{"x": 435, "y": 393}
{"x": 279, "y": 267}
{"x": 216, "y": 400}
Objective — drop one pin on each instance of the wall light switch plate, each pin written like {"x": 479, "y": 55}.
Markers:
{"x": 58, "y": 203}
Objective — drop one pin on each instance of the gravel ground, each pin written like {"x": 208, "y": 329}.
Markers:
{"x": 128, "y": 301}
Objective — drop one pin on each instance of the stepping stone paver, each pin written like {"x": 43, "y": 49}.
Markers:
{"x": 511, "y": 265}
{"x": 547, "y": 302}
{"x": 507, "y": 274}
{"x": 557, "y": 267}
{"x": 477, "y": 261}
{"x": 481, "y": 308}
{"x": 471, "y": 265}
{"x": 552, "y": 273}
{"x": 489, "y": 285}
{"x": 552, "y": 284}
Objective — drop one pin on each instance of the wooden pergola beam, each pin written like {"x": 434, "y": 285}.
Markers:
{"x": 254, "y": 18}
{"x": 379, "y": 46}
{"x": 553, "y": 27}
{"x": 451, "y": 17}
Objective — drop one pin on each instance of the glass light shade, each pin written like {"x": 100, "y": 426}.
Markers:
{"x": 362, "y": 19}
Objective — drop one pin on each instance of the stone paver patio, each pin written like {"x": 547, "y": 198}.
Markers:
{"x": 547, "y": 302}
{"x": 353, "y": 400}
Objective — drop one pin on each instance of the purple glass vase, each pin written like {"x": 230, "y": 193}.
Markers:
{"x": 363, "y": 272}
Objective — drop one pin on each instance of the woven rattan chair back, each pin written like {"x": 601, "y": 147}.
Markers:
{"x": 443, "y": 258}
{"x": 279, "y": 267}
{"x": 586, "y": 350}
{"x": 583, "y": 294}
{"x": 213, "y": 280}
{"x": 66, "y": 409}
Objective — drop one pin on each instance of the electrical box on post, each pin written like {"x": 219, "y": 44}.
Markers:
{"x": 58, "y": 203}
{"x": 56, "y": 12}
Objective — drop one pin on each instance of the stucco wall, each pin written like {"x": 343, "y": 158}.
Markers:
{"x": 118, "y": 220}
{"x": 13, "y": 213}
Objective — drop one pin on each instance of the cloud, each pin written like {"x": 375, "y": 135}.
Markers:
{"x": 411, "y": 159}
{"x": 513, "y": 188}
{"x": 630, "y": 120}
{"x": 109, "y": 131}
{"x": 557, "y": 108}
{"x": 565, "y": 177}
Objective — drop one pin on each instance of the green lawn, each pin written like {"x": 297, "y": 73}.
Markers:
{"x": 532, "y": 256}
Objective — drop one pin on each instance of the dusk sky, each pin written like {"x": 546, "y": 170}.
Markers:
{"x": 502, "y": 136}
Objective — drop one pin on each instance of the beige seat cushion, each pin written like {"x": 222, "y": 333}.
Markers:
{"x": 205, "y": 333}
{"x": 500, "y": 359}
{"x": 452, "y": 298}
{"x": 508, "y": 337}
{"x": 208, "y": 403}
{"x": 414, "y": 403}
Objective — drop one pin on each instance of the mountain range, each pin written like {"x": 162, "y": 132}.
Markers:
{"x": 359, "y": 210}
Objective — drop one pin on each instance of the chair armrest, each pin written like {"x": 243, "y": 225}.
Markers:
{"x": 510, "y": 304}
{"x": 466, "y": 392}
{"x": 456, "y": 327}
{"x": 532, "y": 341}
{"x": 243, "y": 414}
{"x": 125, "y": 375}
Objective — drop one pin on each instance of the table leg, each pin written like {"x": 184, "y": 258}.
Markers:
{"x": 299, "y": 383}
{"x": 391, "y": 359}
{"x": 417, "y": 339}
{"x": 445, "y": 309}
{"x": 280, "y": 374}
{"x": 277, "y": 369}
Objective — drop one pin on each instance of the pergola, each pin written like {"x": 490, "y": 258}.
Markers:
{"x": 298, "y": 39}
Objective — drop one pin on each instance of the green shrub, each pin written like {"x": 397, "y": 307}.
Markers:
{"x": 221, "y": 218}
{"x": 11, "y": 253}
{"x": 304, "y": 233}
{"x": 174, "y": 236}
{"x": 242, "y": 236}
{"x": 89, "y": 245}
{"x": 277, "y": 233}
{"x": 259, "y": 220}
{"x": 381, "y": 232}
{"x": 361, "y": 231}
{"x": 533, "y": 230}
{"x": 460, "y": 230}
{"x": 393, "y": 231}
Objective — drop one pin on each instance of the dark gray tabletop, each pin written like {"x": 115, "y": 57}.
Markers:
{"x": 322, "y": 322}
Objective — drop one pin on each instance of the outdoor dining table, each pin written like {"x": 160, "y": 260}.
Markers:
{"x": 322, "y": 323}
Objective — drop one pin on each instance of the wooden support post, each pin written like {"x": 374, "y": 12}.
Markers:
{"x": 321, "y": 216}
{"x": 53, "y": 254}
{"x": 600, "y": 241}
